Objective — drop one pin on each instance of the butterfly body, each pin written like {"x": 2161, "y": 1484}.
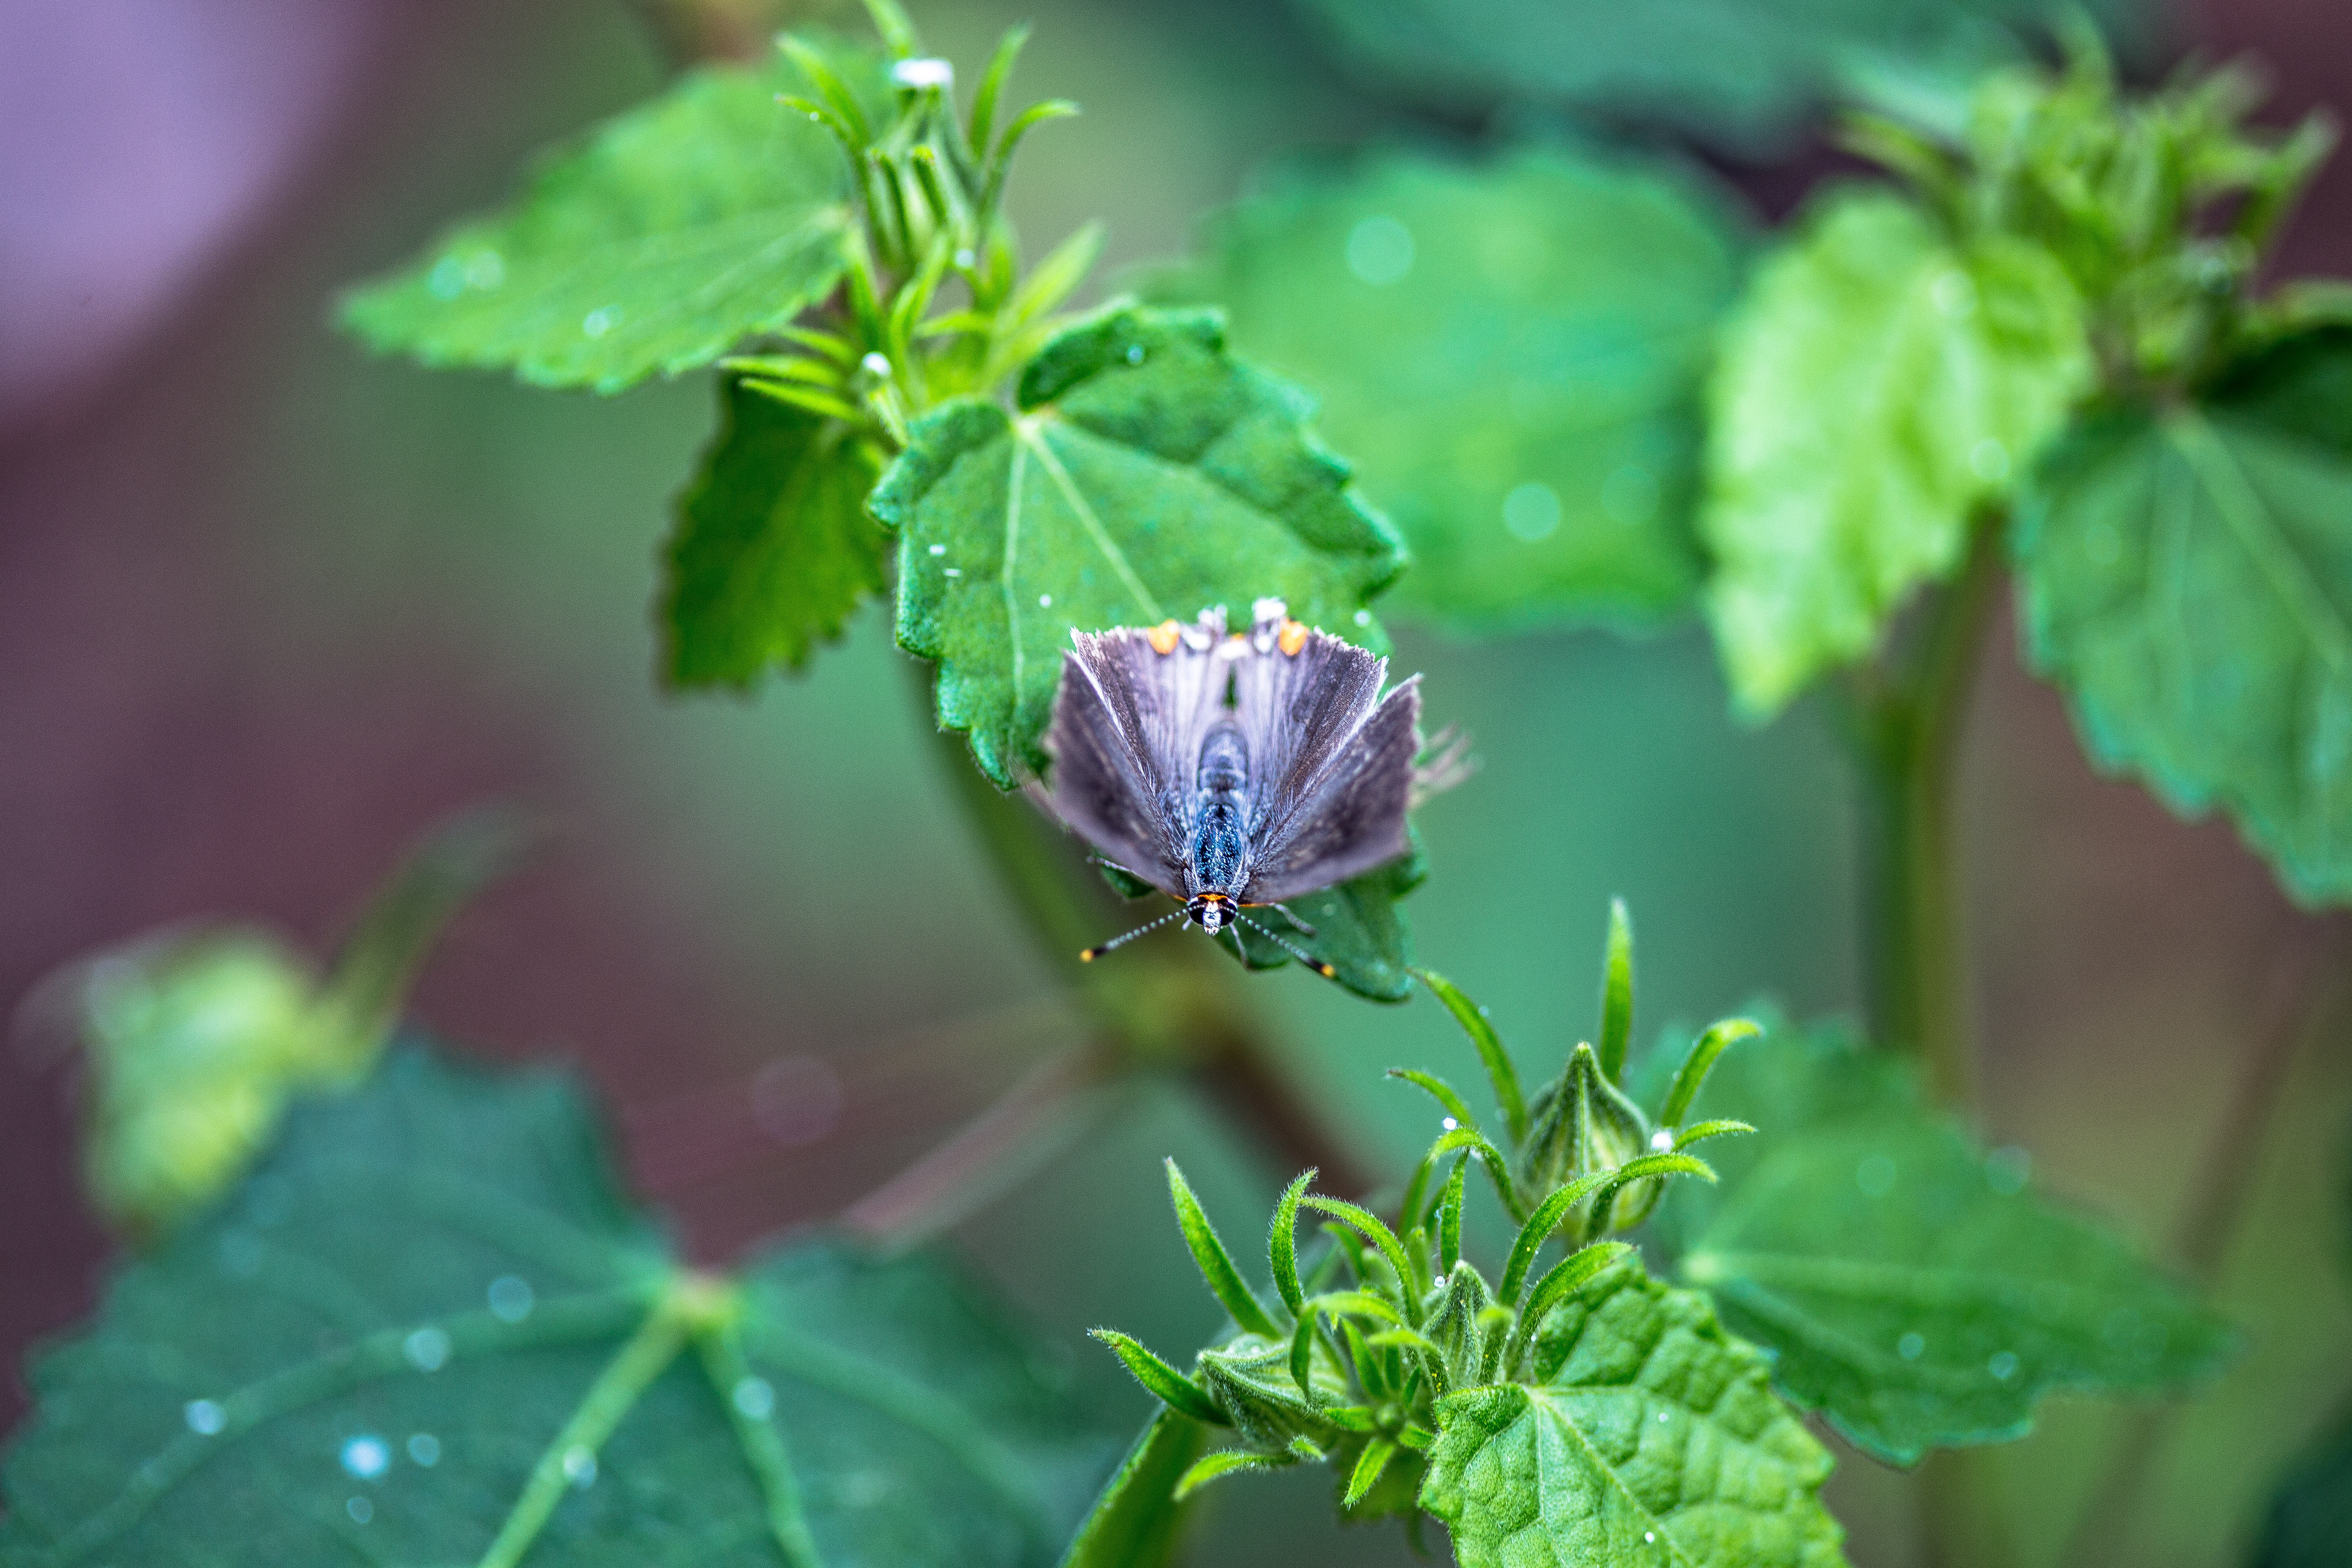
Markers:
{"x": 1233, "y": 769}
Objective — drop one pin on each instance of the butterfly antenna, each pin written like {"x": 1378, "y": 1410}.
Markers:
{"x": 1283, "y": 942}
{"x": 1089, "y": 955}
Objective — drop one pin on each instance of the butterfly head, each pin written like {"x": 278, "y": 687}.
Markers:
{"x": 1212, "y": 912}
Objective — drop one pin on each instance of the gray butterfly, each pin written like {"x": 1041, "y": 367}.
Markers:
{"x": 1232, "y": 769}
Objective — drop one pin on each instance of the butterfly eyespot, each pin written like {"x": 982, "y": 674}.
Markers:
{"x": 1291, "y": 638}
{"x": 1164, "y": 637}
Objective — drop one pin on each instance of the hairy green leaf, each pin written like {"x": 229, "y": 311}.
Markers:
{"x": 1875, "y": 388}
{"x": 1654, "y": 1438}
{"x": 1744, "y": 72}
{"x": 428, "y": 1330}
{"x": 1513, "y": 354}
{"x": 1137, "y": 1519}
{"x": 1145, "y": 476}
{"x": 1909, "y": 1286}
{"x": 2186, "y": 576}
{"x": 656, "y": 243}
{"x": 1360, "y": 930}
{"x": 773, "y": 548}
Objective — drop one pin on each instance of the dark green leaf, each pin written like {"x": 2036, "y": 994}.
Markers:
{"x": 1225, "y": 1282}
{"x": 1146, "y": 475}
{"x": 1137, "y": 1519}
{"x": 663, "y": 239}
{"x": 2310, "y": 1521}
{"x": 1745, "y": 72}
{"x": 774, "y": 547}
{"x": 2186, "y": 574}
{"x": 1512, "y": 354}
{"x": 1909, "y": 1286}
{"x": 1876, "y": 387}
{"x": 428, "y": 1323}
{"x": 1500, "y": 1071}
{"x": 1654, "y": 1439}
{"x": 1358, "y": 930}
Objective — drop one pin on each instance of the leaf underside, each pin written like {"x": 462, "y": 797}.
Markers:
{"x": 1654, "y": 1438}
{"x": 1146, "y": 475}
{"x": 773, "y": 548}
{"x": 1512, "y": 355}
{"x": 1875, "y": 388}
{"x": 1909, "y": 1286}
{"x": 655, "y": 244}
{"x": 370, "y": 1348}
{"x": 2186, "y": 579}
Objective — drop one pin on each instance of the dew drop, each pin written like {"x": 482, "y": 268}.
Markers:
{"x": 1135, "y": 353}
{"x": 756, "y": 1398}
{"x": 425, "y": 1448}
{"x": 204, "y": 1417}
{"x": 1363, "y": 617}
{"x": 1531, "y": 511}
{"x": 600, "y": 321}
{"x": 1380, "y": 250}
{"x": 1045, "y": 601}
{"x": 366, "y": 1457}
{"x": 939, "y": 550}
{"x": 923, "y": 73}
{"x": 1448, "y": 1123}
{"x": 1649, "y": 1535}
{"x": 1911, "y": 1346}
{"x": 964, "y": 258}
{"x": 361, "y": 1509}
{"x": 510, "y": 1299}
{"x": 876, "y": 364}
{"x": 1663, "y": 1140}
{"x": 580, "y": 1467}
{"x": 2003, "y": 1365}
{"x": 1875, "y": 1176}
{"x": 428, "y": 1349}
{"x": 955, "y": 570}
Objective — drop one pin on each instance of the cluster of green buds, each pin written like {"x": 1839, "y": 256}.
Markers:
{"x": 934, "y": 300}
{"x": 2158, "y": 206}
{"x": 1348, "y": 1363}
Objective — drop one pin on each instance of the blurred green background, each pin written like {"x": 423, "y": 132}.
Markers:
{"x": 268, "y": 608}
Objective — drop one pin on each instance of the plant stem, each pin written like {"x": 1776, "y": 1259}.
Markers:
{"x": 1167, "y": 1002}
{"x": 2299, "y": 994}
{"x": 1909, "y": 717}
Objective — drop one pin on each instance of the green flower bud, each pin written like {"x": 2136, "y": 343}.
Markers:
{"x": 1581, "y": 1123}
{"x": 1249, "y": 1377}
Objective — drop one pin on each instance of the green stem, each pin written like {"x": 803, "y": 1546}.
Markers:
{"x": 1167, "y": 1002}
{"x": 1910, "y": 715}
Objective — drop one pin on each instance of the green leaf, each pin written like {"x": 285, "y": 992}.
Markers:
{"x": 1909, "y": 1286}
{"x": 1744, "y": 73}
{"x": 428, "y": 1330}
{"x": 2186, "y": 579}
{"x": 1137, "y": 1519}
{"x": 1225, "y": 1281}
{"x": 1513, "y": 354}
{"x": 2310, "y": 1521}
{"x": 654, "y": 244}
{"x": 1358, "y": 930}
{"x": 1654, "y": 1438}
{"x": 773, "y": 548}
{"x": 1146, "y": 475}
{"x": 1875, "y": 388}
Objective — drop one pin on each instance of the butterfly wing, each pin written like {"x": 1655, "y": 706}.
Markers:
{"x": 1126, "y": 719}
{"x": 1338, "y": 767}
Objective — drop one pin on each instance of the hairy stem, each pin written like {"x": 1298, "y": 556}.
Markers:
{"x": 1167, "y": 1000}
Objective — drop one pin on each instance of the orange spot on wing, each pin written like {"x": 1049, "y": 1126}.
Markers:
{"x": 1163, "y": 636}
{"x": 1292, "y": 638}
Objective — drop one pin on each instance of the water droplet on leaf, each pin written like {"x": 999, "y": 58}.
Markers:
{"x": 425, "y": 1448}
{"x": 366, "y": 1457}
{"x": 205, "y": 1418}
{"x": 510, "y": 1299}
{"x": 755, "y": 1397}
{"x": 428, "y": 1349}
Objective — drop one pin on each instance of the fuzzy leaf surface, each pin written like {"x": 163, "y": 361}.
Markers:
{"x": 2186, "y": 579}
{"x": 773, "y": 548}
{"x": 1653, "y": 1438}
{"x": 652, "y": 246}
{"x": 1875, "y": 388}
{"x": 1136, "y": 1522}
{"x": 369, "y": 1349}
{"x": 1146, "y": 475}
{"x": 1910, "y": 1287}
{"x": 1513, "y": 352}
